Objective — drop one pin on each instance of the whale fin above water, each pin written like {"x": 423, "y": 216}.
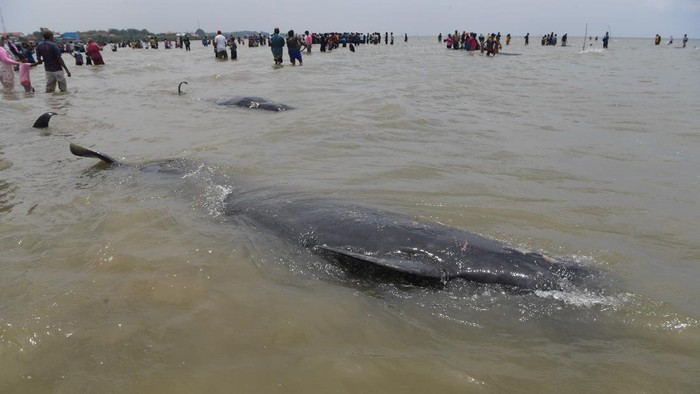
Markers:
{"x": 87, "y": 152}
{"x": 42, "y": 121}
{"x": 415, "y": 268}
{"x": 179, "y": 87}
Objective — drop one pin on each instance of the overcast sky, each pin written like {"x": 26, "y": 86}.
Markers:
{"x": 626, "y": 18}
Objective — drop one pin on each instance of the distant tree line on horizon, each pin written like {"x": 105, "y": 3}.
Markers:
{"x": 131, "y": 35}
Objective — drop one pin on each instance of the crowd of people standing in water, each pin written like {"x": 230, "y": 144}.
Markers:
{"x": 491, "y": 44}
{"x": 21, "y": 57}
{"x": 296, "y": 43}
{"x": 469, "y": 41}
{"x": 47, "y": 52}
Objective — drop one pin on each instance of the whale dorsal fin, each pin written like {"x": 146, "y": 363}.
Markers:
{"x": 42, "y": 121}
{"x": 87, "y": 152}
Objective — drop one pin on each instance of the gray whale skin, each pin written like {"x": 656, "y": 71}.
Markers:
{"x": 382, "y": 244}
{"x": 254, "y": 103}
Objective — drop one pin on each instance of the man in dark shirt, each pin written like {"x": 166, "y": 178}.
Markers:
{"x": 47, "y": 52}
{"x": 294, "y": 47}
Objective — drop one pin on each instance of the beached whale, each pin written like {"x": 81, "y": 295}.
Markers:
{"x": 379, "y": 243}
{"x": 254, "y": 103}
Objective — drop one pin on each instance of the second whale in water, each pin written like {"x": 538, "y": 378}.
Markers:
{"x": 254, "y": 103}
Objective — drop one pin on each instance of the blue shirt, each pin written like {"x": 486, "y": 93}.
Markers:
{"x": 277, "y": 42}
{"x": 49, "y": 53}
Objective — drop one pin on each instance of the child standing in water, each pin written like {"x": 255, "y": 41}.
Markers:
{"x": 24, "y": 74}
{"x": 78, "y": 57}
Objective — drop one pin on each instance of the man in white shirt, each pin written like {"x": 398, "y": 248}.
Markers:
{"x": 220, "y": 45}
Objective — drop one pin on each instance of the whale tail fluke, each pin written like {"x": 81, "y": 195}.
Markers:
{"x": 87, "y": 152}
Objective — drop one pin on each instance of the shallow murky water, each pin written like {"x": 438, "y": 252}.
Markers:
{"x": 116, "y": 280}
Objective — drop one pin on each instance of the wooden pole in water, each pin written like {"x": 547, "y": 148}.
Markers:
{"x": 3, "y": 22}
{"x": 585, "y": 37}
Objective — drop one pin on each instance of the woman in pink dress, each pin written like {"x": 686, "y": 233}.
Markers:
{"x": 7, "y": 71}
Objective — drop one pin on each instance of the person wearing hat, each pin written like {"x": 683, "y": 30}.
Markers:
{"x": 47, "y": 52}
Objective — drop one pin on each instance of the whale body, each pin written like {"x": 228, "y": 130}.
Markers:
{"x": 382, "y": 244}
{"x": 254, "y": 103}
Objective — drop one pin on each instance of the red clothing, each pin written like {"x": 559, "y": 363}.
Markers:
{"x": 94, "y": 51}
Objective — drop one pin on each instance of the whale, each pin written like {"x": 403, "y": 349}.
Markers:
{"x": 380, "y": 244}
{"x": 254, "y": 103}
{"x": 42, "y": 121}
